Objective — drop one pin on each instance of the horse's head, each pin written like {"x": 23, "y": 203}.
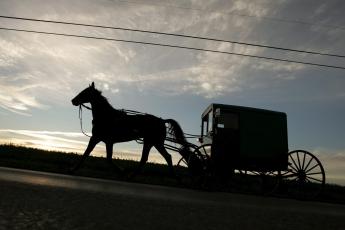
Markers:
{"x": 85, "y": 96}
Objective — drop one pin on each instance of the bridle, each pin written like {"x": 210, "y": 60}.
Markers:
{"x": 81, "y": 117}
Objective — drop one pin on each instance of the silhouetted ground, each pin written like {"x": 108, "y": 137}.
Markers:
{"x": 58, "y": 162}
{"x": 34, "y": 200}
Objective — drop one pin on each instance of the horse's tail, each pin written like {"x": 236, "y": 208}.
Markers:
{"x": 175, "y": 131}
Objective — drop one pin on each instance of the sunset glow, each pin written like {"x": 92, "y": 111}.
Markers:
{"x": 40, "y": 74}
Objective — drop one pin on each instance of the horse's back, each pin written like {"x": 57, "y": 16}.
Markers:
{"x": 131, "y": 127}
{"x": 147, "y": 121}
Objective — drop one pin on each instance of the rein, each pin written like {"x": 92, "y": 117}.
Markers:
{"x": 128, "y": 112}
{"x": 81, "y": 117}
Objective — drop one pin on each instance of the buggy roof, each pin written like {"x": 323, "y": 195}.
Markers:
{"x": 237, "y": 108}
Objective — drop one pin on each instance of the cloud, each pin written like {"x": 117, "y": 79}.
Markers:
{"x": 10, "y": 52}
{"x": 53, "y": 136}
{"x": 17, "y": 99}
{"x": 49, "y": 65}
{"x": 49, "y": 140}
{"x": 333, "y": 162}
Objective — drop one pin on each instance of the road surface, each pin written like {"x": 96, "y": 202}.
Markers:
{"x": 37, "y": 200}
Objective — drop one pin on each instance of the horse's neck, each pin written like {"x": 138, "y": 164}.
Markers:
{"x": 101, "y": 110}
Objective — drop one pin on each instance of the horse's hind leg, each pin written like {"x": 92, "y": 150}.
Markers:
{"x": 161, "y": 149}
{"x": 117, "y": 169}
{"x": 144, "y": 157}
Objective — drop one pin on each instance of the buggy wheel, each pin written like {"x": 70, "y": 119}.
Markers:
{"x": 194, "y": 169}
{"x": 305, "y": 177}
{"x": 182, "y": 163}
{"x": 183, "y": 173}
{"x": 204, "y": 154}
{"x": 186, "y": 172}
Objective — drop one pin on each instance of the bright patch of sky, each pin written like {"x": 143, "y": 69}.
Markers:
{"x": 39, "y": 74}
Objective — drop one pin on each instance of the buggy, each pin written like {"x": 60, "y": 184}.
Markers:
{"x": 250, "y": 146}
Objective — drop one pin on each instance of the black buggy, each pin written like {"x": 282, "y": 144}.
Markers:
{"x": 238, "y": 144}
{"x": 249, "y": 147}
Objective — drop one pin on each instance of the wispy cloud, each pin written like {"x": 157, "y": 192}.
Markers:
{"x": 17, "y": 99}
{"x": 53, "y": 65}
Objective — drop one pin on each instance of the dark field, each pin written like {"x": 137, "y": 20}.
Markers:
{"x": 97, "y": 167}
{"x": 60, "y": 162}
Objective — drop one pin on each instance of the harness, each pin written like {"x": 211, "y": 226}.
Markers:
{"x": 126, "y": 111}
{"x": 172, "y": 145}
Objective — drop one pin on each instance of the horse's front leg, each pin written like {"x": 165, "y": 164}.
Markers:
{"x": 92, "y": 143}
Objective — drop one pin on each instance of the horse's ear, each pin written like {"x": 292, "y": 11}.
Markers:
{"x": 93, "y": 85}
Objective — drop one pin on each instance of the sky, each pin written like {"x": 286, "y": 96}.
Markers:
{"x": 40, "y": 74}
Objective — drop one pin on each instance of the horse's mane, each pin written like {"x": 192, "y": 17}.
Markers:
{"x": 106, "y": 102}
{"x": 103, "y": 98}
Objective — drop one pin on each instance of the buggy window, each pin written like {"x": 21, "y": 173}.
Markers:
{"x": 210, "y": 122}
{"x": 207, "y": 123}
{"x": 228, "y": 121}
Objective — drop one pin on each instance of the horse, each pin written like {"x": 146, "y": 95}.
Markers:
{"x": 111, "y": 126}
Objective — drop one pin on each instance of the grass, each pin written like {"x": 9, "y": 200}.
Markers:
{"x": 59, "y": 162}
{"x": 22, "y": 157}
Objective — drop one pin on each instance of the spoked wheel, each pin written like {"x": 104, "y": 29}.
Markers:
{"x": 305, "y": 177}
{"x": 204, "y": 153}
{"x": 196, "y": 165}
{"x": 183, "y": 172}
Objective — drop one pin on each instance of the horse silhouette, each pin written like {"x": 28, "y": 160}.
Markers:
{"x": 112, "y": 126}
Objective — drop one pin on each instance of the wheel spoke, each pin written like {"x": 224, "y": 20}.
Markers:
{"x": 285, "y": 173}
{"x": 294, "y": 162}
{"x": 303, "y": 160}
{"x": 293, "y": 167}
{"x": 184, "y": 162}
{"x": 253, "y": 173}
{"x": 203, "y": 148}
{"x": 311, "y": 168}
{"x": 270, "y": 173}
{"x": 291, "y": 175}
{"x": 310, "y": 160}
{"x": 307, "y": 180}
{"x": 314, "y": 179}
{"x": 298, "y": 160}
{"x": 316, "y": 173}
